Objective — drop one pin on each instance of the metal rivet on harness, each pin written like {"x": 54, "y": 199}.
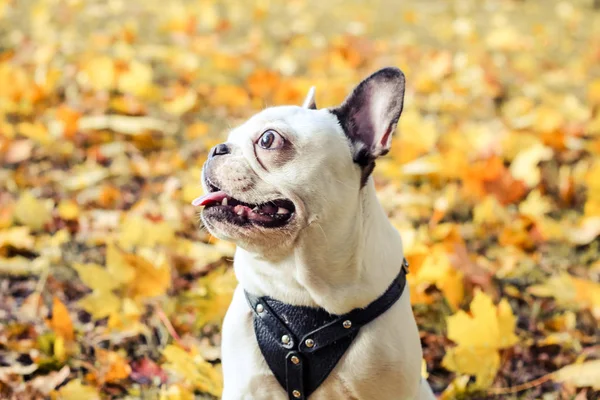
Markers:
{"x": 285, "y": 339}
{"x": 296, "y": 394}
{"x": 295, "y": 360}
{"x": 260, "y": 308}
{"x": 309, "y": 343}
{"x": 347, "y": 324}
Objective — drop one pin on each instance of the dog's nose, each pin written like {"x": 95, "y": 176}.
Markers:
{"x": 219, "y": 150}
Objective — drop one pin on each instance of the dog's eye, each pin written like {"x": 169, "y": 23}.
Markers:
{"x": 271, "y": 140}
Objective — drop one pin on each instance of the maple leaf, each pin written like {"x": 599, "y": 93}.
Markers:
{"x": 194, "y": 369}
{"x": 150, "y": 279}
{"x": 479, "y": 336}
{"x": 436, "y": 268}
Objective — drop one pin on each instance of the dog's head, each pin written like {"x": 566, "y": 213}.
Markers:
{"x": 289, "y": 166}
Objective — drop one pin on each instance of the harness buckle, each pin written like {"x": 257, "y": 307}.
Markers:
{"x": 405, "y": 266}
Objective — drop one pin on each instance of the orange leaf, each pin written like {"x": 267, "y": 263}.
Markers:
{"x": 61, "y": 322}
{"x": 114, "y": 366}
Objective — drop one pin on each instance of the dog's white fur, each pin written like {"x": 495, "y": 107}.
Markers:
{"x": 339, "y": 253}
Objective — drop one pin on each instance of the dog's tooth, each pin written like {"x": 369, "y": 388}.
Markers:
{"x": 282, "y": 210}
{"x": 224, "y": 202}
{"x": 240, "y": 211}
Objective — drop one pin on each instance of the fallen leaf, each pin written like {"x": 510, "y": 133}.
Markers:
{"x": 144, "y": 371}
{"x": 18, "y": 237}
{"x": 99, "y": 73}
{"x": 571, "y": 292}
{"x": 197, "y": 372}
{"x": 60, "y": 322}
{"x": 68, "y": 210}
{"x": 100, "y": 304}
{"x": 586, "y": 232}
{"x": 479, "y": 337}
{"x": 113, "y": 367}
{"x": 75, "y": 390}
{"x": 96, "y": 277}
{"x": 586, "y": 374}
{"x": 150, "y": 279}
{"x": 525, "y": 165}
{"x": 33, "y": 212}
{"x": 47, "y": 383}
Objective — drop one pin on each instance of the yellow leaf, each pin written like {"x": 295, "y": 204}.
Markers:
{"x": 59, "y": 349}
{"x": 479, "y": 336}
{"x": 506, "y": 325}
{"x": 68, "y": 210}
{"x": 150, "y": 279}
{"x": 212, "y": 297}
{"x": 176, "y": 392}
{"x": 489, "y": 212}
{"x": 581, "y": 375}
{"x": 570, "y": 292}
{"x": 18, "y": 237}
{"x": 99, "y": 73}
{"x": 75, "y": 390}
{"x": 33, "y": 212}
{"x": 35, "y": 131}
{"x": 203, "y": 253}
{"x": 100, "y": 304}
{"x": 456, "y": 389}
{"x": 117, "y": 265}
{"x": 483, "y": 363}
{"x": 525, "y": 165}
{"x": 61, "y": 320}
{"x": 128, "y": 318}
{"x": 181, "y": 104}
{"x": 535, "y": 205}
{"x": 96, "y": 277}
{"x": 194, "y": 369}
{"x": 424, "y": 373}
{"x": 586, "y": 232}
{"x": 139, "y": 231}
{"x": 594, "y": 92}
{"x": 137, "y": 79}
{"x": 437, "y": 269}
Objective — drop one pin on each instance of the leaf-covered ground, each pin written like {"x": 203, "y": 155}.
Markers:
{"x": 110, "y": 289}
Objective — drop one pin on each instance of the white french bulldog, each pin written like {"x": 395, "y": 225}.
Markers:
{"x": 292, "y": 189}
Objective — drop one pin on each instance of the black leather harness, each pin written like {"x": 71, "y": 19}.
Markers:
{"x": 302, "y": 345}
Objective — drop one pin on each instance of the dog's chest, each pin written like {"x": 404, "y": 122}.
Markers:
{"x": 382, "y": 361}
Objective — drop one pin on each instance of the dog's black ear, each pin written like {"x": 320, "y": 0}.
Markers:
{"x": 309, "y": 101}
{"x": 370, "y": 113}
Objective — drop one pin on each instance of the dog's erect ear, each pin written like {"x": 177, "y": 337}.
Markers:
{"x": 309, "y": 101}
{"x": 370, "y": 113}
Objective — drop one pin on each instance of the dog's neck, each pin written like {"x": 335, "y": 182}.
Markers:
{"x": 339, "y": 264}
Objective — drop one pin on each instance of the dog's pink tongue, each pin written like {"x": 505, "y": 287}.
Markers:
{"x": 214, "y": 197}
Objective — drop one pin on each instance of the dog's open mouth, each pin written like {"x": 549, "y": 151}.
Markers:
{"x": 272, "y": 214}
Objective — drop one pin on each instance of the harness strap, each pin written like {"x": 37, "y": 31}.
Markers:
{"x": 353, "y": 320}
{"x": 341, "y": 327}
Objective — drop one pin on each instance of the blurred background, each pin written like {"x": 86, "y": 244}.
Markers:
{"x": 109, "y": 289}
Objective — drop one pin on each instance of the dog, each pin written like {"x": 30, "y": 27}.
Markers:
{"x": 292, "y": 188}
